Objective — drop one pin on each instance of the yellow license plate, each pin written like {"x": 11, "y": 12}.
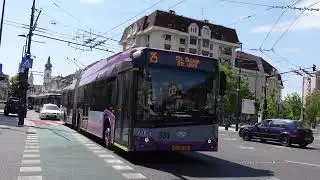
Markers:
{"x": 180, "y": 148}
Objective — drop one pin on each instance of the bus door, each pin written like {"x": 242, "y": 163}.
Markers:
{"x": 123, "y": 106}
{"x": 86, "y": 109}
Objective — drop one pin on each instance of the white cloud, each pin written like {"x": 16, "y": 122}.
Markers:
{"x": 308, "y": 21}
{"x": 292, "y": 50}
{"x": 92, "y": 1}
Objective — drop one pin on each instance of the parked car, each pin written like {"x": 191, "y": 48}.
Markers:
{"x": 285, "y": 131}
{"x": 50, "y": 111}
{"x": 11, "y": 106}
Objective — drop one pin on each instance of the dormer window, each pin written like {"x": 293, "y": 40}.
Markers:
{"x": 206, "y": 32}
{"x": 193, "y": 29}
{"x": 129, "y": 32}
{"x": 135, "y": 29}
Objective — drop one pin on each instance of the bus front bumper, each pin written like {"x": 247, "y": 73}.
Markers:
{"x": 147, "y": 144}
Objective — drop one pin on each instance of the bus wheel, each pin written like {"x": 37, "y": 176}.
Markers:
{"x": 107, "y": 137}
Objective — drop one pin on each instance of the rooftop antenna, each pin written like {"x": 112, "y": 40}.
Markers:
{"x": 202, "y": 13}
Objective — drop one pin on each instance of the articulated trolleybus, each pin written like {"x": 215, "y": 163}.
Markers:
{"x": 147, "y": 99}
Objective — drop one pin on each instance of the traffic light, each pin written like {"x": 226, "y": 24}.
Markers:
{"x": 314, "y": 68}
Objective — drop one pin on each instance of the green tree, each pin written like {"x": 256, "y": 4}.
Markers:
{"x": 292, "y": 106}
{"x": 312, "y": 107}
{"x": 272, "y": 103}
{"x": 229, "y": 100}
{"x": 14, "y": 85}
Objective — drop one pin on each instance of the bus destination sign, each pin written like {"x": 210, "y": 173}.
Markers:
{"x": 181, "y": 60}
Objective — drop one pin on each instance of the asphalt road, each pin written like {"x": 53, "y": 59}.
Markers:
{"x": 65, "y": 154}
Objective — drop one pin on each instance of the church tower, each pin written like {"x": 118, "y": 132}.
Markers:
{"x": 47, "y": 75}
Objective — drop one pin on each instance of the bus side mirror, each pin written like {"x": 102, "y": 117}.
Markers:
{"x": 223, "y": 83}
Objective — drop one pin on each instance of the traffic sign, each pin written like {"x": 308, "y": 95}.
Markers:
{"x": 26, "y": 62}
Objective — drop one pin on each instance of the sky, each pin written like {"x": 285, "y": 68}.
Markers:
{"x": 73, "y": 20}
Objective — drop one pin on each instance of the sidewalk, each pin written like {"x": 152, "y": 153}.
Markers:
{"x": 12, "y": 144}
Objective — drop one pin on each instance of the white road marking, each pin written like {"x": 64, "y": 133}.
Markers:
{"x": 302, "y": 163}
{"x": 230, "y": 139}
{"x": 244, "y": 147}
{"x": 99, "y": 151}
{"x": 106, "y": 155}
{"x": 31, "y": 147}
{"x": 32, "y": 138}
{"x": 122, "y": 167}
{"x": 134, "y": 176}
{"x": 31, "y": 155}
{"x": 32, "y": 141}
{"x": 90, "y": 144}
{"x": 31, "y": 161}
{"x": 31, "y": 150}
{"x": 30, "y": 169}
{"x": 4, "y": 126}
{"x": 32, "y": 144}
{"x": 30, "y": 178}
{"x": 272, "y": 179}
{"x": 94, "y": 147}
{"x": 115, "y": 161}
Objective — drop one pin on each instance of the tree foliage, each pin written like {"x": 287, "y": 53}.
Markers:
{"x": 229, "y": 100}
{"x": 272, "y": 103}
{"x": 292, "y": 106}
{"x": 312, "y": 107}
{"x": 14, "y": 86}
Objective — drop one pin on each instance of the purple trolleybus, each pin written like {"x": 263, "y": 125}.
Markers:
{"x": 147, "y": 99}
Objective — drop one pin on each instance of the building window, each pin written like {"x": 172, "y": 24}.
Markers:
{"x": 194, "y": 29}
{"x": 193, "y": 40}
{"x": 148, "y": 38}
{"x": 192, "y": 51}
{"x": 226, "y": 51}
{"x": 48, "y": 74}
{"x": 205, "y": 53}
{"x": 205, "y": 43}
{"x": 225, "y": 61}
{"x": 167, "y": 46}
{"x": 167, "y": 37}
{"x": 205, "y": 32}
{"x": 182, "y": 41}
{"x": 211, "y": 46}
{"x": 181, "y": 49}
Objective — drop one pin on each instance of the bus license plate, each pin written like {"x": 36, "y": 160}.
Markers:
{"x": 180, "y": 148}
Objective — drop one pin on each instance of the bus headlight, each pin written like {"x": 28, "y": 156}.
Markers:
{"x": 146, "y": 140}
{"x": 209, "y": 141}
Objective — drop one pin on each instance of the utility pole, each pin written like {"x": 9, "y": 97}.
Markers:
{"x": 302, "y": 96}
{"x": 23, "y": 76}
{"x": 238, "y": 94}
{"x": 2, "y": 16}
{"x": 265, "y": 113}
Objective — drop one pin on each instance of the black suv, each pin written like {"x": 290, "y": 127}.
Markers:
{"x": 285, "y": 131}
{"x": 12, "y": 106}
